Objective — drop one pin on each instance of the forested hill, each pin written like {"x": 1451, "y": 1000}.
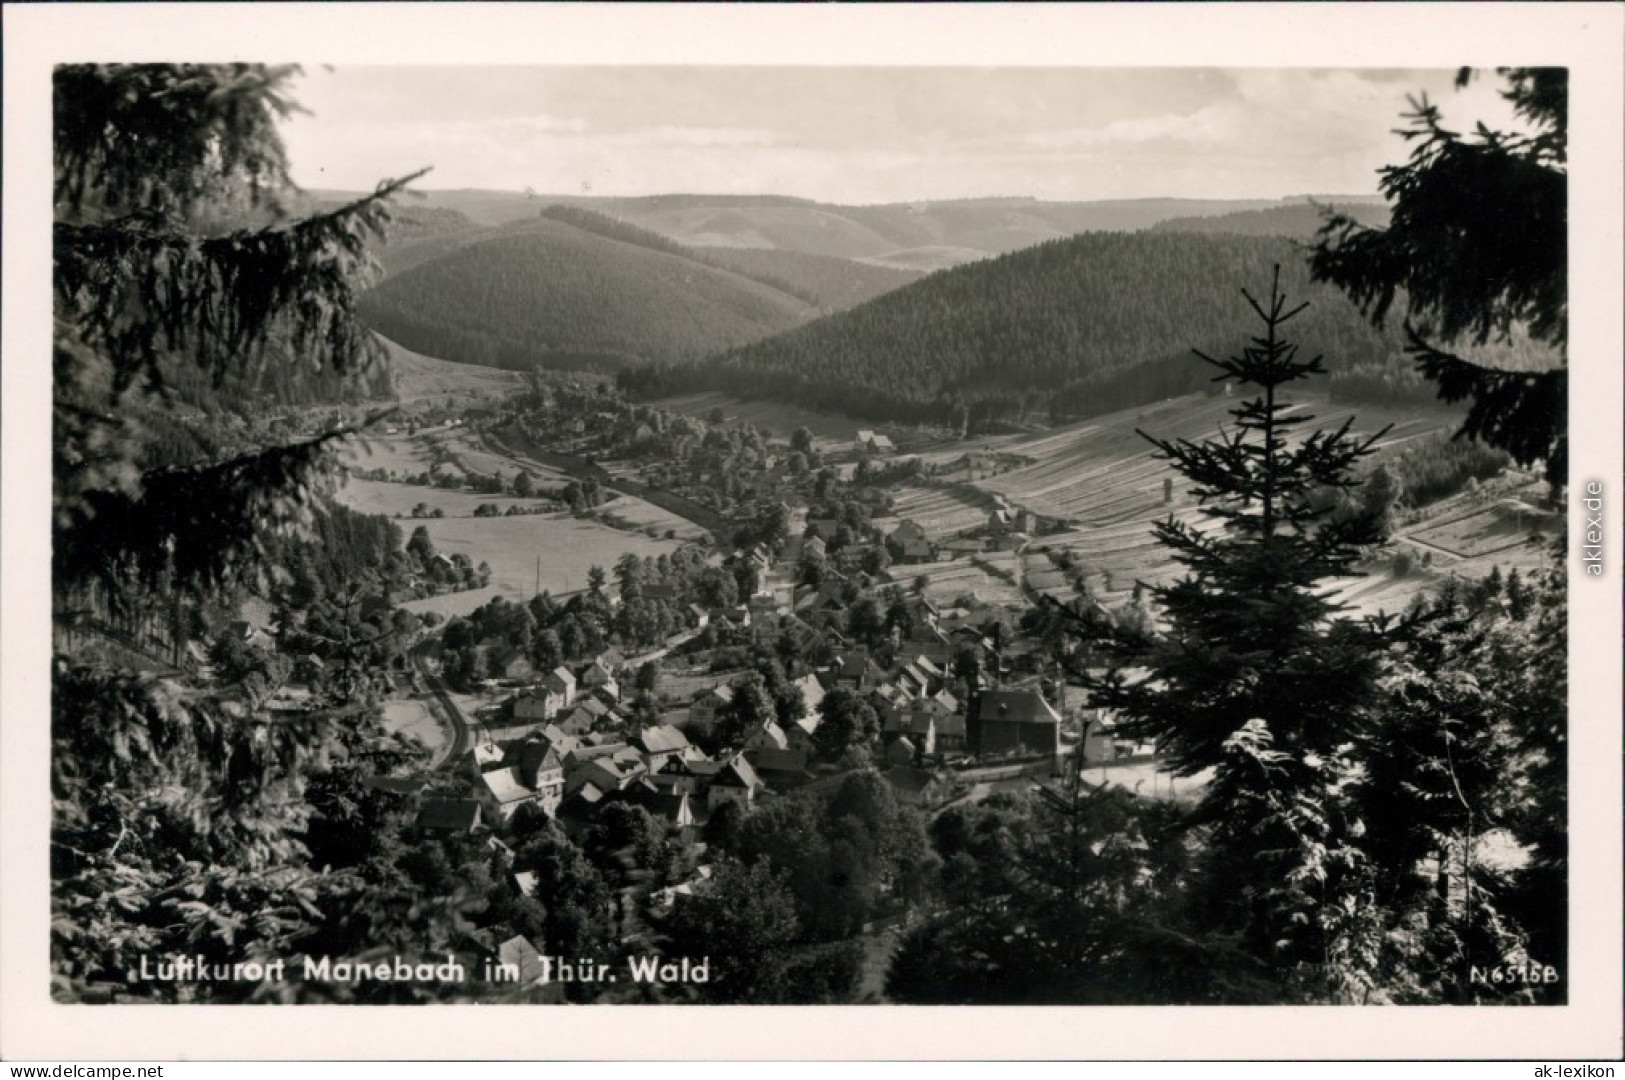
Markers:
{"x": 821, "y": 281}
{"x": 1299, "y": 220}
{"x": 1074, "y": 327}
{"x": 545, "y": 292}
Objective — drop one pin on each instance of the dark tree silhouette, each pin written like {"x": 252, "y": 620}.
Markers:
{"x": 1475, "y": 257}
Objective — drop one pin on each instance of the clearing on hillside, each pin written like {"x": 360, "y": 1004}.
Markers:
{"x": 419, "y": 378}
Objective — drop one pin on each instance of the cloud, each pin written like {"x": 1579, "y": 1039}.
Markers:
{"x": 871, "y": 135}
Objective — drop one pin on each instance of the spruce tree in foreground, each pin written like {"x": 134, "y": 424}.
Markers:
{"x": 1250, "y": 634}
{"x": 1259, "y": 678}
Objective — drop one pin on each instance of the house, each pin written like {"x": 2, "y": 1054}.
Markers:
{"x": 814, "y": 548}
{"x": 800, "y": 735}
{"x": 537, "y": 703}
{"x": 917, "y": 551}
{"x": 667, "y": 593}
{"x": 731, "y": 779}
{"x": 657, "y": 744}
{"x": 608, "y": 768}
{"x": 901, "y": 751}
{"x": 1017, "y": 722}
{"x": 449, "y": 815}
{"x": 919, "y": 677}
{"x": 583, "y": 717}
{"x": 541, "y": 769}
{"x": 509, "y": 663}
{"x": 698, "y": 617}
{"x": 812, "y": 695}
{"x": 595, "y": 675}
{"x": 502, "y": 794}
{"x": 908, "y": 530}
{"x": 487, "y": 755}
{"x": 676, "y": 775}
{"x": 926, "y": 643}
{"x": 950, "y": 733}
{"x": 823, "y": 528}
{"x": 877, "y": 443}
{"x": 735, "y": 618}
{"x": 917, "y": 787}
{"x": 857, "y": 672}
{"x": 924, "y": 613}
{"x": 562, "y": 683}
{"x": 769, "y": 749}
{"x": 702, "y": 712}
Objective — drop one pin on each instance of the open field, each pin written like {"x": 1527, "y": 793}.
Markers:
{"x": 941, "y": 512}
{"x": 416, "y": 717}
{"x": 418, "y": 378}
{"x": 639, "y": 515}
{"x": 397, "y": 500}
{"x": 406, "y": 454}
{"x": 950, "y": 580}
{"x": 1102, "y": 472}
{"x": 511, "y": 546}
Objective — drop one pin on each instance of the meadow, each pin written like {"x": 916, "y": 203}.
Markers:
{"x": 565, "y": 547}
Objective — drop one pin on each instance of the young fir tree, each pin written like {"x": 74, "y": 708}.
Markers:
{"x": 1259, "y": 677}
{"x": 1249, "y": 634}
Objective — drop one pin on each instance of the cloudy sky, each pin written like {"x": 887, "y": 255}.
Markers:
{"x": 864, "y": 135}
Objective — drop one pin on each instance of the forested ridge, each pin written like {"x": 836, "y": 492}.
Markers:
{"x": 1298, "y": 220}
{"x": 1076, "y": 327}
{"x": 552, "y": 294}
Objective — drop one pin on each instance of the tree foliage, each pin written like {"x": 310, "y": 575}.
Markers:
{"x": 1250, "y": 637}
{"x": 1475, "y": 259}
{"x": 157, "y": 170}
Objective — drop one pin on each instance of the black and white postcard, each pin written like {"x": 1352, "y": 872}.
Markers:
{"x": 925, "y": 519}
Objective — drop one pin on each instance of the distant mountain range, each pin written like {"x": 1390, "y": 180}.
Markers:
{"x": 959, "y": 229}
{"x": 1080, "y": 306}
{"x": 1299, "y": 221}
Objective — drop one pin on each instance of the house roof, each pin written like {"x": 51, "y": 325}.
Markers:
{"x": 593, "y": 753}
{"x": 772, "y": 734}
{"x": 724, "y": 691}
{"x": 505, "y": 786}
{"x": 1014, "y": 707}
{"x": 737, "y": 772}
{"x": 812, "y": 692}
{"x": 661, "y": 740}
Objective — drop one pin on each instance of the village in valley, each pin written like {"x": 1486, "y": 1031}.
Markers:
{"x": 806, "y": 632}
